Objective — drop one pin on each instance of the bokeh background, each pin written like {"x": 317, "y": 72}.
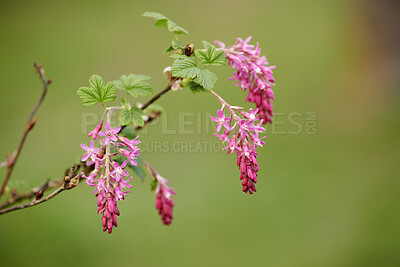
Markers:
{"x": 328, "y": 192}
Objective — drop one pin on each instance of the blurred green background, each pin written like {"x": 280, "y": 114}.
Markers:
{"x": 325, "y": 198}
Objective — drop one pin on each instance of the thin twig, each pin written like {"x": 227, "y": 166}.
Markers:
{"x": 151, "y": 101}
{"x": 69, "y": 182}
{"x": 11, "y": 160}
{"x": 32, "y": 193}
{"x": 157, "y": 96}
{"x": 46, "y": 82}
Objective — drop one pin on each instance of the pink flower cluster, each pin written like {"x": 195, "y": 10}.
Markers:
{"x": 252, "y": 74}
{"x": 164, "y": 201}
{"x": 243, "y": 139}
{"x": 108, "y": 175}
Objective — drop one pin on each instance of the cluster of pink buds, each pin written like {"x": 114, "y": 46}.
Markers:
{"x": 164, "y": 201}
{"x": 252, "y": 74}
{"x": 108, "y": 176}
{"x": 242, "y": 135}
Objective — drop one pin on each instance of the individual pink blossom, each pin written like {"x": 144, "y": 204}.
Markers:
{"x": 92, "y": 151}
{"x": 131, "y": 155}
{"x": 224, "y": 136}
{"x": 222, "y": 120}
{"x": 90, "y": 180}
{"x": 232, "y": 145}
{"x": 252, "y": 74}
{"x": 118, "y": 171}
{"x": 110, "y": 134}
{"x": 119, "y": 193}
{"x": 252, "y": 114}
{"x": 132, "y": 144}
{"x": 96, "y": 130}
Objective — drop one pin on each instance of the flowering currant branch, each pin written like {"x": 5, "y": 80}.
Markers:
{"x": 112, "y": 157}
{"x": 11, "y": 160}
{"x": 38, "y": 192}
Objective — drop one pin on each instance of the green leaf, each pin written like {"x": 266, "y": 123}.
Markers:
{"x": 185, "y": 67}
{"x": 138, "y": 170}
{"x": 134, "y": 84}
{"x": 153, "y": 185}
{"x": 178, "y": 56}
{"x": 176, "y": 44}
{"x": 141, "y": 89}
{"x": 206, "y": 78}
{"x": 97, "y": 92}
{"x": 195, "y": 87}
{"x": 210, "y": 55}
{"x": 109, "y": 93}
{"x": 169, "y": 49}
{"x": 132, "y": 115}
{"x": 96, "y": 81}
{"x": 163, "y": 21}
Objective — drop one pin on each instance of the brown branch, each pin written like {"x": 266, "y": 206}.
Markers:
{"x": 157, "y": 96}
{"x": 11, "y": 160}
{"x": 46, "y": 82}
{"x": 32, "y": 193}
{"x": 69, "y": 182}
{"x": 151, "y": 101}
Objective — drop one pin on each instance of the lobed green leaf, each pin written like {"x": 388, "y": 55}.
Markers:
{"x": 206, "y": 78}
{"x": 195, "y": 87}
{"x": 163, "y": 21}
{"x": 132, "y": 115}
{"x": 185, "y": 67}
{"x": 134, "y": 84}
{"x": 97, "y": 92}
{"x": 176, "y": 44}
{"x": 210, "y": 55}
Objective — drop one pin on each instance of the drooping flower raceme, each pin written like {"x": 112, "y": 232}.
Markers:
{"x": 253, "y": 74}
{"x": 242, "y": 136}
{"x": 109, "y": 177}
{"x": 164, "y": 201}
